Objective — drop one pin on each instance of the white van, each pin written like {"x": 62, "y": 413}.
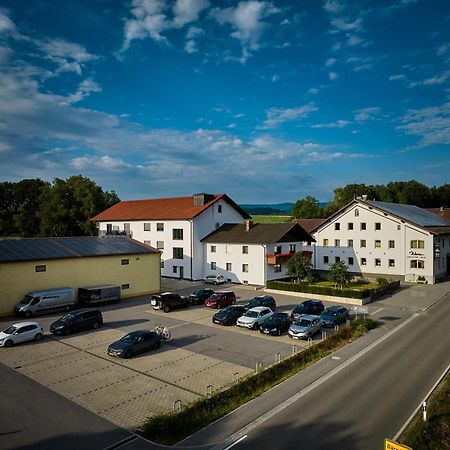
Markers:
{"x": 38, "y": 302}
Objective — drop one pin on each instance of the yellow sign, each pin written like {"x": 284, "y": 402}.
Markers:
{"x": 392, "y": 445}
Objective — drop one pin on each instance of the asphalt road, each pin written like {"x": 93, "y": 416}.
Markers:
{"x": 370, "y": 399}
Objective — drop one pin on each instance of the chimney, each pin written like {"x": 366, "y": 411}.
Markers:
{"x": 201, "y": 199}
{"x": 364, "y": 197}
{"x": 248, "y": 224}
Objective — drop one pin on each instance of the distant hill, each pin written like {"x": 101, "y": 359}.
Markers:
{"x": 278, "y": 209}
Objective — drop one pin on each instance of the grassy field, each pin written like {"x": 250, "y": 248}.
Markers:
{"x": 271, "y": 219}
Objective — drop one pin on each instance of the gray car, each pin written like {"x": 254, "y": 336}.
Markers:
{"x": 305, "y": 327}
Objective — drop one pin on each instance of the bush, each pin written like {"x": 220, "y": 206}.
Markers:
{"x": 364, "y": 325}
{"x": 382, "y": 281}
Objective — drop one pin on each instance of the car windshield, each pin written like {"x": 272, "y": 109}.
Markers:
{"x": 251, "y": 314}
{"x": 66, "y": 318}
{"x": 11, "y": 330}
{"x": 215, "y": 296}
{"x": 273, "y": 320}
{"x": 197, "y": 293}
{"x": 129, "y": 338}
{"x": 331, "y": 313}
{"x": 299, "y": 308}
{"x": 303, "y": 323}
{"x": 27, "y": 299}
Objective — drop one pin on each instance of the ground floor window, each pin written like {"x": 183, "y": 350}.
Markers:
{"x": 392, "y": 263}
{"x": 417, "y": 264}
{"x": 125, "y": 286}
{"x": 213, "y": 265}
{"x": 326, "y": 259}
{"x": 175, "y": 269}
{"x": 363, "y": 261}
{"x": 337, "y": 258}
{"x": 377, "y": 262}
{"x": 229, "y": 269}
{"x": 244, "y": 267}
{"x": 350, "y": 260}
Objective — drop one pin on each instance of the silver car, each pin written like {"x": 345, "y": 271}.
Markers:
{"x": 214, "y": 279}
{"x": 305, "y": 327}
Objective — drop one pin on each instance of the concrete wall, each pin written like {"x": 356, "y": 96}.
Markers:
{"x": 16, "y": 279}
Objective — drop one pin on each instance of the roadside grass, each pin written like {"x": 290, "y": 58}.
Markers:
{"x": 271, "y": 219}
{"x": 172, "y": 427}
{"x": 434, "y": 434}
{"x": 353, "y": 285}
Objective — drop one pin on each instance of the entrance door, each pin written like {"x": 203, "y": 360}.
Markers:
{"x": 181, "y": 271}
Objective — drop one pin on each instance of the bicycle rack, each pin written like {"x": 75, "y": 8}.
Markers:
{"x": 277, "y": 357}
{"x": 236, "y": 377}
{"x": 310, "y": 341}
{"x": 258, "y": 366}
{"x": 208, "y": 390}
{"x": 336, "y": 327}
{"x": 176, "y": 405}
{"x": 294, "y": 349}
{"x": 324, "y": 335}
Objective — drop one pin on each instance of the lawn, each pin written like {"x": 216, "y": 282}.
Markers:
{"x": 354, "y": 285}
{"x": 271, "y": 219}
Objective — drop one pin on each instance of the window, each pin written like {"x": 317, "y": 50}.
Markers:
{"x": 159, "y": 226}
{"x": 363, "y": 261}
{"x": 377, "y": 226}
{"x": 350, "y": 243}
{"x": 337, "y": 242}
{"x": 325, "y": 242}
{"x": 417, "y": 264}
{"x": 213, "y": 265}
{"x": 177, "y": 253}
{"x": 291, "y": 248}
{"x": 350, "y": 260}
{"x": 377, "y": 243}
{"x": 245, "y": 249}
{"x": 162, "y": 264}
{"x": 42, "y": 268}
{"x": 337, "y": 258}
{"x": 160, "y": 245}
{"x": 391, "y": 244}
{"x": 219, "y": 208}
{"x": 377, "y": 262}
{"x": 277, "y": 250}
{"x": 127, "y": 228}
{"x": 337, "y": 226}
{"x": 147, "y": 226}
{"x": 213, "y": 249}
{"x": 228, "y": 249}
{"x": 277, "y": 268}
{"x": 125, "y": 262}
{"x": 177, "y": 234}
{"x": 229, "y": 267}
{"x": 418, "y": 244}
{"x": 148, "y": 243}
{"x": 325, "y": 259}
{"x": 175, "y": 269}
{"x": 391, "y": 263}
{"x": 244, "y": 267}
{"x": 356, "y": 212}
{"x": 362, "y": 226}
{"x": 350, "y": 226}
{"x": 125, "y": 286}
{"x": 362, "y": 243}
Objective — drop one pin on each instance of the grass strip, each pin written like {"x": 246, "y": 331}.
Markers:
{"x": 172, "y": 427}
{"x": 434, "y": 434}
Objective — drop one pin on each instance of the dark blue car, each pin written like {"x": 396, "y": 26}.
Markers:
{"x": 134, "y": 343}
{"x": 334, "y": 315}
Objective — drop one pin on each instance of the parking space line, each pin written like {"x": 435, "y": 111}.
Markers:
{"x": 377, "y": 311}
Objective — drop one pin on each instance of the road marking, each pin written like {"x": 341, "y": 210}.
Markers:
{"x": 268, "y": 415}
{"x": 122, "y": 442}
{"x": 411, "y": 417}
{"x": 337, "y": 358}
{"x": 377, "y": 311}
{"x": 236, "y": 442}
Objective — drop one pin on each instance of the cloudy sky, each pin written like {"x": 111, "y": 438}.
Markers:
{"x": 267, "y": 101}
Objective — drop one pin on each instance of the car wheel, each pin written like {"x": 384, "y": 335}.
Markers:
{"x": 255, "y": 326}
{"x": 128, "y": 354}
{"x": 9, "y": 343}
{"x": 28, "y": 314}
{"x": 38, "y": 337}
{"x": 67, "y": 331}
{"x": 95, "y": 325}
{"x": 166, "y": 308}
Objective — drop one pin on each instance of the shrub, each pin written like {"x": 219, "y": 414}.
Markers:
{"x": 364, "y": 325}
{"x": 382, "y": 281}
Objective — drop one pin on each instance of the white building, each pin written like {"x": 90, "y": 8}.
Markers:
{"x": 253, "y": 253}
{"x": 173, "y": 225}
{"x": 385, "y": 239}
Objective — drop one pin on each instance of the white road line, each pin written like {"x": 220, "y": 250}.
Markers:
{"x": 377, "y": 311}
{"x": 235, "y": 443}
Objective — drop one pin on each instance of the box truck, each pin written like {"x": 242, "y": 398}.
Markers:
{"x": 38, "y": 302}
{"x": 95, "y": 295}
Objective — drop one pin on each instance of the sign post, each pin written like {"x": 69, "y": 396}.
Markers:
{"x": 392, "y": 445}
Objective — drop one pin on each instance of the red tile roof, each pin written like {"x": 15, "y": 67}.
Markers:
{"x": 160, "y": 208}
{"x": 310, "y": 224}
{"x": 443, "y": 212}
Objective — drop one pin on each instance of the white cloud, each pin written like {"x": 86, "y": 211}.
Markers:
{"x": 6, "y": 24}
{"x": 86, "y": 87}
{"x": 187, "y": 11}
{"x": 345, "y": 24}
{"x": 332, "y": 75}
{"x": 276, "y": 116}
{"x": 333, "y": 6}
{"x": 313, "y": 91}
{"x": 364, "y": 114}
{"x": 338, "y": 124}
{"x": 354, "y": 40}
{"x": 99, "y": 162}
{"x": 397, "y": 77}
{"x": 330, "y": 62}
{"x": 437, "y": 79}
{"x": 275, "y": 78}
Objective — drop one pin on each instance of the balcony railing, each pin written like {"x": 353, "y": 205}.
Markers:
{"x": 279, "y": 258}
{"x": 102, "y": 233}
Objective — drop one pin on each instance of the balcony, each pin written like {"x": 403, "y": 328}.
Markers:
{"x": 279, "y": 258}
{"x": 103, "y": 233}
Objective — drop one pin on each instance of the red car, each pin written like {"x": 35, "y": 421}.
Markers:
{"x": 221, "y": 299}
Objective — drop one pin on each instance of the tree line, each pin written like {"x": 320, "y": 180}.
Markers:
{"x": 33, "y": 207}
{"x": 406, "y": 192}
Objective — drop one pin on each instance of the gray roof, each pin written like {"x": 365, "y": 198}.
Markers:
{"x": 259, "y": 233}
{"x": 15, "y": 250}
{"x": 411, "y": 213}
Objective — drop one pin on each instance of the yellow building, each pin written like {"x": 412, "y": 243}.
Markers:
{"x": 28, "y": 265}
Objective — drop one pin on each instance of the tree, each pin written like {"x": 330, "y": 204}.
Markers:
{"x": 339, "y": 274}
{"x": 299, "y": 267}
{"x": 307, "y": 208}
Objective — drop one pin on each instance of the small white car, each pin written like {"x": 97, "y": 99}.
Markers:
{"x": 21, "y": 332}
{"x": 253, "y": 317}
{"x": 214, "y": 279}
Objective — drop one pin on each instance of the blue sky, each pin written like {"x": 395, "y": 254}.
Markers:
{"x": 267, "y": 101}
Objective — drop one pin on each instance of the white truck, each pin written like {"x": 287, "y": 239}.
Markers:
{"x": 38, "y": 302}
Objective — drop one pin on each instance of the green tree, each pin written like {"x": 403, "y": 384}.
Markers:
{"x": 338, "y": 274}
{"x": 299, "y": 267}
{"x": 307, "y": 208}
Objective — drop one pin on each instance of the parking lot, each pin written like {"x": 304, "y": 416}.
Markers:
{"x": 200, "y": 356}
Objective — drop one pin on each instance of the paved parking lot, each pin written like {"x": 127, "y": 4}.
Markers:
{"x": 126, "y": 392}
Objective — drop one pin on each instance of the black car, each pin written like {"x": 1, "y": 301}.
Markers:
{"x": 308, "y": 307}
{"x": 275, "y": 324}
{"x": 83, "y": 319}
{"x": 199, "y": 297}
{"x": 262, "y": 300}
{"x": 134, "y": 343}
{"x": 334, "y": 315}
{"x": 168, "y": 301}
{"x": 228, "y": 315}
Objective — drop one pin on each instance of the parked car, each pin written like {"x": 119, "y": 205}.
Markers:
{"x": 254, "y": 317}
{"x": 38, "y": 302}
{"x": 262, "y": 300}
{"x": 214, "y": 279}
{"x": 221, "y": 299}
{"x": 83, "y": 319}
{"x": 228, "y": 315}
{"x": 334, "y": 315}
{"x": 134, "y": 343}
{"x": 21, "y": 332}
{"x": 275, "y": 324}
{"x": 199, "y": 297}
{"x": 168, "y": 301}
{"x": 309, "y": 307}
{"x": 305, "y": 327}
